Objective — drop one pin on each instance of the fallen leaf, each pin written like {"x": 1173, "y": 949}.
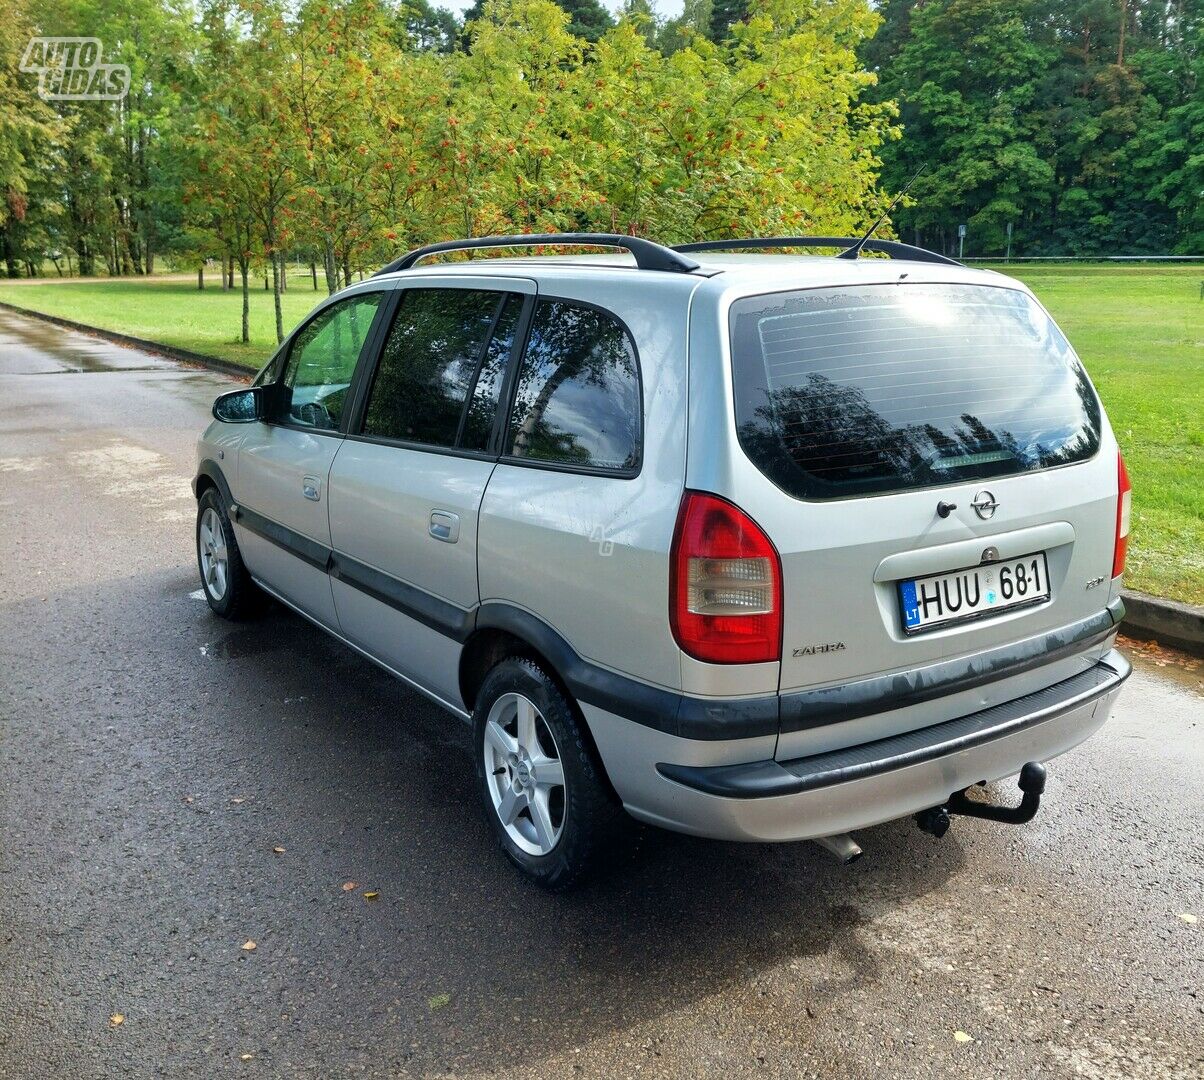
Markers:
{"x": 245, "y": 1057}
{"x": 962, "y": 1037}
{"x": 1188, "y": 918}
{"x": 278, "y": 850}
{"x": 349, "y": 885}
{"x": 438, "y": 1001}
{"x": 248, "y": 946}
{"x": 371, "y": 896}
{"x": 237, "y": 801}
{"x": 188, "y": 798}
{"x": 116, "y": 1020}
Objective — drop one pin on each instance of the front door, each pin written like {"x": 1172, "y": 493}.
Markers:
{"x": 282, "y": 523}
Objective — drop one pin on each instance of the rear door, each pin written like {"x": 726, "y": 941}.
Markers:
{"x": 283, "y": 530}
{"x": 903, "y": 432}
{"x": 406, "y": 487}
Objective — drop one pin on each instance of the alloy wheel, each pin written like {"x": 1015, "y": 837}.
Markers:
{"x": 524, "y": 773}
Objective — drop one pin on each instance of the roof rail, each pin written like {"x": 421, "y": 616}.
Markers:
{"x": 648, "y": 255}
{"x": 893, "y": 248}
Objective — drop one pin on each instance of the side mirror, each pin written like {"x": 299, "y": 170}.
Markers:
{"x": 240, "y": 406}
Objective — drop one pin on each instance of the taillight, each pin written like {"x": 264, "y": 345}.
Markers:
{"x": 1123, "y": 507}
{"x": 725, "y": 602}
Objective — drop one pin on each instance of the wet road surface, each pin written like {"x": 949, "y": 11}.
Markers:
{"x": 173, "y": 787}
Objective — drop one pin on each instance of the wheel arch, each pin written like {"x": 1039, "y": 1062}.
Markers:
{"x": 502, "y": 631}
{"x": 209, "y": 475}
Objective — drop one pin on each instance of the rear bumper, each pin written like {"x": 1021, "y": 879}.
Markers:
{"x": 865, "y": 785}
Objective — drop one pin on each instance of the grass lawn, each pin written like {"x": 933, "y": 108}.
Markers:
{"x": 173, "y": 312}
{"x": 1139, "y": 330}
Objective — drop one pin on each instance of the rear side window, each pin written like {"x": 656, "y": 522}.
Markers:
{"x": 867, "y": 389}
{"x": 429, "y": 367}
{"x": 578, "y": 396}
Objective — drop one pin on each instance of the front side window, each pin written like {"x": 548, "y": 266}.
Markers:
{"x": 322, "y": 359}
{"x": 439, "y": 352}
{"x": 866, "y": 389}
{"x": 578, "y": 395}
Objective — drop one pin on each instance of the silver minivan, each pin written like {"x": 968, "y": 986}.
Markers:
{"x": 752, "y": 546}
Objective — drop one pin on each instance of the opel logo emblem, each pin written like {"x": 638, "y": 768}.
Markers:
{"x": 984, "y": 505}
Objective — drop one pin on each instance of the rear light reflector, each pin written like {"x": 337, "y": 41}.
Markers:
{"x": 1123, "y": 511}
{"x": 726, "y": 584}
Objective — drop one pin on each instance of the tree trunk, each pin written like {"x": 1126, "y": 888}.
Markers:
{"x": 230, "y": 270}
{"x": 330, "y": 267}
{"x": 313, "y": 272}
{"x": 283, "y": 273}
{"x": 244, "y": 268}
{"x": 276, "y": 297}
{"x": 200, "y": 277}
{"x": 346, "y": 270}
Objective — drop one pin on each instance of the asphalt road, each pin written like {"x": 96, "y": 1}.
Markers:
{"x": 173, "y": 787}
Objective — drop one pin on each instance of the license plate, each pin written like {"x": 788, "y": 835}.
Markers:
{"x": 961, "y": 595}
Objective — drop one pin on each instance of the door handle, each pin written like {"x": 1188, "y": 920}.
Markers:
{"x": 445, "y": 526}
{"x": 311, "y": 488}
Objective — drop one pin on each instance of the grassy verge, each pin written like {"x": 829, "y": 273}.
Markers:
{"x": 172, "y": 312}
{"x": 1139, "y": 330}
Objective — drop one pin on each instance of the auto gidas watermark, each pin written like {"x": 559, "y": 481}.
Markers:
{"x": 71, "y": 69}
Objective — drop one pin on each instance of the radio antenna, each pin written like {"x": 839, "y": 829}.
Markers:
{"x": 855, "y": 250}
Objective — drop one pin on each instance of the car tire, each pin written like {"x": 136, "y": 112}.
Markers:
{"x": 527, "y": 735}
{"x": 224, "y": 578}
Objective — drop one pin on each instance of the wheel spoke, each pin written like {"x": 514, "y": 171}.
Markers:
{"x": 511, "y": 805}
{"x": 541, "y": 818}
{"x": 548, "y": 772}
{"x": 526, "y": 726}
{"x": 496, "y": 737}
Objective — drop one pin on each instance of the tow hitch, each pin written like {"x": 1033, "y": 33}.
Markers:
{"x": 935, "y": 820}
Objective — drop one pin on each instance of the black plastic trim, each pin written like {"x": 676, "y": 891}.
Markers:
{"x": 652, "y": 706}
{"x": 210, "y": 468}
{"x": 804, "y": 709}
{"x": 307, "y": 550}
{"x": 448, "y": 619}
{"x": 703, "y": 719}
{"x": 893, "y": 248}
{"x": 770, "y": 779}
{"x": 648, "y": 254}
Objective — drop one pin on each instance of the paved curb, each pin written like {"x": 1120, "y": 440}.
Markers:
{"x": 186, "y": 356}
{"x": 1167, "y": 622}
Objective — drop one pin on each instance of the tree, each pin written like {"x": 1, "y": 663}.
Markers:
{"x": 31, "y": 136}
{"x": 588, "y": 19}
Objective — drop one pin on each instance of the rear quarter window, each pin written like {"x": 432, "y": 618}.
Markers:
{"x": 577, "y": 402}
{"x": 869, "y": 389}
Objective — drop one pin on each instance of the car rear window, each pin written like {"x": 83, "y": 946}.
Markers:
{"x": 867, "y": 389}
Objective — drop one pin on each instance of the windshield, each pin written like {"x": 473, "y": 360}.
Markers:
{"x": 867, "y": 389}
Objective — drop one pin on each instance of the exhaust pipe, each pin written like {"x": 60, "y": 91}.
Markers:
{"x": 842, "y": 845}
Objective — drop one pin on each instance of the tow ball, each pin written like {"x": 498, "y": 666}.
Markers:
{"x": 935, "y": 820}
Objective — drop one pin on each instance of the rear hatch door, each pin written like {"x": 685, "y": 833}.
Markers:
{"x": 933, "y": 472}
